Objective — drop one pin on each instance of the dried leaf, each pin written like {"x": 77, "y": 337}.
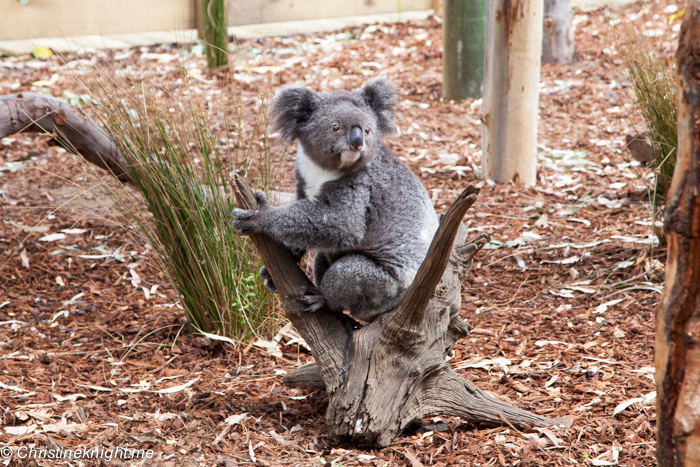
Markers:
{"x": 25, "y": 259}
{"x": 53, "y": 237}
{"x": 414, "y": 462}
{"x": 20, "y": 430}
{"x": 251, "y": 452}
{"x": 236, "y": 419}
{"x": 602, "y": 308}
{"x": 175, "y": 389}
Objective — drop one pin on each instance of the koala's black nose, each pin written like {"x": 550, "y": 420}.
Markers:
{"x": 355, "y": 140}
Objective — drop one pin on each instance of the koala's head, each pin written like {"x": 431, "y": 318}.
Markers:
{"x": 339, "y": 131}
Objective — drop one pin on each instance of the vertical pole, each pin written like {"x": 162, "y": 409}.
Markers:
{"x": 558, "y": 35}
{"x": 511, "y": 90}
{"x": 463, "y": 38}
{"x": 212, "y": 30}
{"x": 677, "y": 353}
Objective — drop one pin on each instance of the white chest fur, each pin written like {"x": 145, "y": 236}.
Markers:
{"x": 314, "y": 176}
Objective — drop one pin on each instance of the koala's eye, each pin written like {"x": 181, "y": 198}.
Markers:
{"x": 335, "y": 128}
{"x": 366, "y": 131}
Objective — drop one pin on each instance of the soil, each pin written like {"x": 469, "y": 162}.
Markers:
{"x": 561, "y": 303}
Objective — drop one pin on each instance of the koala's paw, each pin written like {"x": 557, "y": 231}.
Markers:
{"x": 312, "y": 299}
{"x": 268, "y": 280}
{"x": 246, "y": 222}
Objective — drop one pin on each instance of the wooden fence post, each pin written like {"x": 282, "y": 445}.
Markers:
{"x": 678, "y": 319}
{"x": 511, "y": 90}
{"x": 558, "y": 36}
{"x": 463, "y": 38}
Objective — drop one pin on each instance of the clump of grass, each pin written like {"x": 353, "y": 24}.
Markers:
{"x": 651, "y": 75}
{"x": 184, "y": 208}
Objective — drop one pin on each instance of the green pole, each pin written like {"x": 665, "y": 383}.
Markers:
{"x": 463, "y": 38}
{"x": 214, "y": 32}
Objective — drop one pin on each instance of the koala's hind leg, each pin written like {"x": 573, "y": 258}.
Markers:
{"x": 357, "y": 284}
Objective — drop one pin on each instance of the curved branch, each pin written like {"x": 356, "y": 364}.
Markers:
{"x": 450, "y": 394}
{"x": 38, "y": 113}
{"x": 406, "y": 323}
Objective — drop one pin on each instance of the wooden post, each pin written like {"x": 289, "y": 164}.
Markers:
{"x": 678, "y": 319}
{"x": 213, "y": 31}
{"x": 511, "y": 90}
{"x": 463, "y": 38}
{"x": 558, "y": 35}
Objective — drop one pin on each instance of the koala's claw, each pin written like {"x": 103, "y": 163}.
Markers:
{"x": 312, "y": 298}
{"x": 261, "y": 198}
{"x": 268, "y": 280}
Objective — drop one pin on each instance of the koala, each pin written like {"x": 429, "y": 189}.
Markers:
{"x": 364, "y": 213}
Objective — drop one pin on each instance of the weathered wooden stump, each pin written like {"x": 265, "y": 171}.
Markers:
{"x": 383, "y": 376}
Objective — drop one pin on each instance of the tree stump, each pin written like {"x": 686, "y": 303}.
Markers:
{"x": 383, "y": 376}
{"x": 678, "y": 319}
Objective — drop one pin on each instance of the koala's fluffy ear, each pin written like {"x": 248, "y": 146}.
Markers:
{"x": 291, "y": 108}
{"x": 380, "y": 95}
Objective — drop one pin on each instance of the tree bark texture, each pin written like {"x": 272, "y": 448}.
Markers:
{"x": 38, "y": 113}
{"x": 511, "y": 90}
{"x": 678, "y": 320}
{"x": 558, "y": 35}
{"x": 383, "y": 376}
{"x": 463, "y": 39}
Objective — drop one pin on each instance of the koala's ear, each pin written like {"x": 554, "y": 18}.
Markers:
{"x": 380, "y": 95}
{"x": 291, "y": 107}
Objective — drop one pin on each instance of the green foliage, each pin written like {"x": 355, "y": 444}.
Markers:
{"x": 184, "y": 211}
{"x": 214, "y": 32}
{"x": 655, "y": 98}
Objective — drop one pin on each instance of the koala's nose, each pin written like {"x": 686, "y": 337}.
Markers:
{"x": 355, "y": 140}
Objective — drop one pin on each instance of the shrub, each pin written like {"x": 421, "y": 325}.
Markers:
{"x": 651, "y": 76}
{"x": 184, "y": 209}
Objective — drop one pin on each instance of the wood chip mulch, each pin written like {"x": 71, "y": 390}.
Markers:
{"x": 94, "y": 352}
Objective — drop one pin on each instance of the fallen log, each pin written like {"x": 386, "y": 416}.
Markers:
{"x": 27, "y": 112}
{"x": 383, "y": 376}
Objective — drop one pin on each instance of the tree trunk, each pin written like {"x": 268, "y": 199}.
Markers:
{"x": 383, "y": 376}
{"x": 678, "y": 320}
{"x": 558, "y": 35}
{"x": 463, "y": 38}
{"x": 28, "y": 112}
{"x": 511, "y": 90}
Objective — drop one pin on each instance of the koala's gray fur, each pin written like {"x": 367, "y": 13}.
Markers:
{"x": 365, "y": 214}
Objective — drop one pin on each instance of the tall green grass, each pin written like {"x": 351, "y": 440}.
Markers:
{"x": 651, "y": 76}
{"x": 182, "y": 172}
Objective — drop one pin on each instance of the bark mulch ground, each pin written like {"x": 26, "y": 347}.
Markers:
{"x": 561, "y": 303}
